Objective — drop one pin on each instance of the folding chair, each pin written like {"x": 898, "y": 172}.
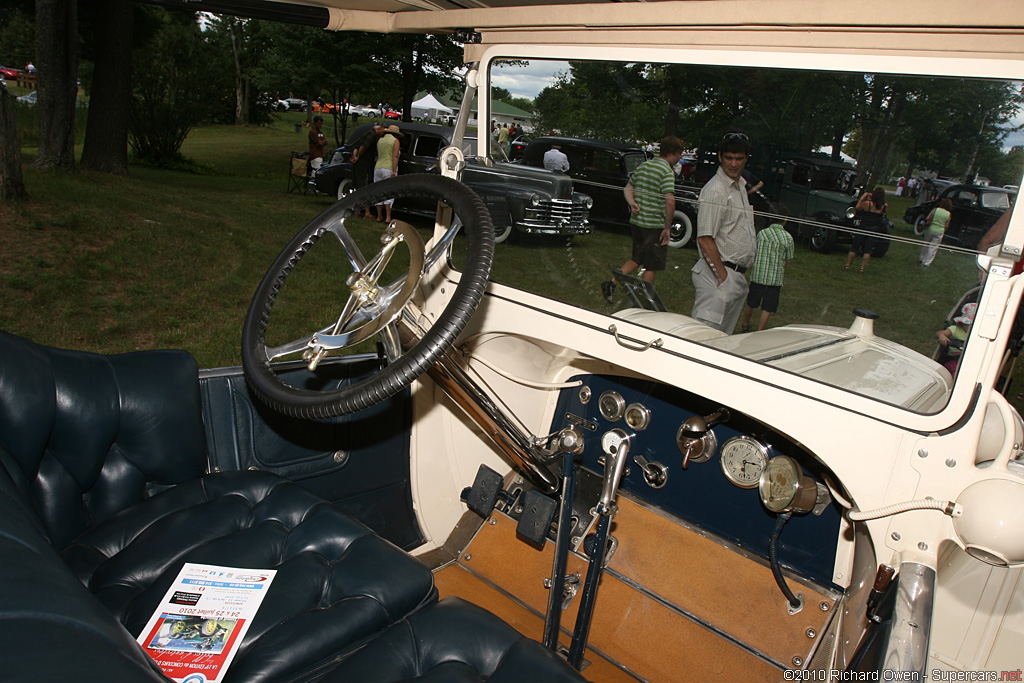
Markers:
{"x": 641, "y": 292}
{"x": 298, "y": 173}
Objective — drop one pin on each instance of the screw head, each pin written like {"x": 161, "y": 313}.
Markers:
{"x": 896, "y": 536}
{"x": 824, "y": 607}
{"x": 798, "y": 661}
{"x": 811, "y": 633}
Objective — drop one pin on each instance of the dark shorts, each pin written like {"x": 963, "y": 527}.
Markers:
{"x": 765, "y": 297}
{"x": 646, "y": 250}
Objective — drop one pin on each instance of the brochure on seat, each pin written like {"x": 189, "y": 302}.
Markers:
{"x": 196, "y": 630}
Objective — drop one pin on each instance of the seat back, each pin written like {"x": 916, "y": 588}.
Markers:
{"x": 84, "y": 436}
{"x": 298, "y": 172}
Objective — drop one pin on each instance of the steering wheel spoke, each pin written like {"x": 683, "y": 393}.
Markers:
{"x": 376, "y": 295}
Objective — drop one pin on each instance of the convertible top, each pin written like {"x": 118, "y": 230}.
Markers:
{"x": 925, "y": 25}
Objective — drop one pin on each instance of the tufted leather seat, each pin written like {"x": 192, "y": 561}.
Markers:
{"x": 103, "y": 497}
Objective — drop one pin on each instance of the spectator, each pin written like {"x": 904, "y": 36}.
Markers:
{"x": 650, "y": 194}
{"x": 317, "y": 143}
{"x": 555, "y": 159}
{"x": 31, "y": 69}
{"x": 725, "y": 238}
{"x": 774, "y": 252}
{"x": 503, "y": 136}
{"x": 388, "y": 150}
{"x": 937, "y": 222}
{"x": 364, "y": 158}
{"x": 869, "y": 218}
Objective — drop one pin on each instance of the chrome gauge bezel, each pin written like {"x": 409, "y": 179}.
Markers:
{"x": 611, "y": 405}
{"x": 784, "y": 487}
{"x": 743, "y": 446}
{"x": 638, "y": 416}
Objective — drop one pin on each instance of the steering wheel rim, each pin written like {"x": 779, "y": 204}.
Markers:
{"x": 468, "y": 210}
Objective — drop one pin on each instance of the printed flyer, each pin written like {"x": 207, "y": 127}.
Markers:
{"x": 196, "y": 630}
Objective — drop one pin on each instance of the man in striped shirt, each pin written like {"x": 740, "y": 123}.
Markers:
{"x": 650, "y": 194}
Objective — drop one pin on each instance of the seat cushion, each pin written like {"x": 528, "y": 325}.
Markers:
{"x": 452, "y": 641}
{"x": 337, "y": 582}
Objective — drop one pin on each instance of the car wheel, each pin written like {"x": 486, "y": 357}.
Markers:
{"x": 504, "y": 233}
{"x": 345, "y": 187}
{"x": 823, "y": 240}
{"x": 921, "y": 225}
{"x": 682, "y": 230}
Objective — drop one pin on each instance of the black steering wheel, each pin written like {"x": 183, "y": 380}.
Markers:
{"x": 376, "y": 297}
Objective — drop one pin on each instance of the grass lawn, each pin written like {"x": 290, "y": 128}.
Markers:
{"x": 171, "y": 259}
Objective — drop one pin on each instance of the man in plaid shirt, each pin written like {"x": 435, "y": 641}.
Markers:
{"x": 774, "y": 252}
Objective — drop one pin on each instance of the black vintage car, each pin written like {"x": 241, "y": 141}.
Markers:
{"x": 975, "y": 209}
{"x": 601, "y": 169}
{"x": 520, "y": 199}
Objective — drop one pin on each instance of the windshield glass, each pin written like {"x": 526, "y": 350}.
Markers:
{"x": 995, "y": 200}
{"x": 816, "y": 145}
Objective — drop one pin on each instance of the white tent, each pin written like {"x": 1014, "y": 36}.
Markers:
{"x": 428, "y": 106}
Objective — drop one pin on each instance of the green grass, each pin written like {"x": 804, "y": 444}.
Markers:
{"x": 171, "y": 259}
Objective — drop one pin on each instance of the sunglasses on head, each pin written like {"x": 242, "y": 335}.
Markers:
{"x": 736, "y": 136}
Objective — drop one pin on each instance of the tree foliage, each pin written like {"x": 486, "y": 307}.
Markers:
{"x": 953, "y": 127}
{"x": 171, "y": 91}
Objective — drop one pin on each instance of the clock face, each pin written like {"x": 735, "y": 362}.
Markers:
{"x": 743, "y": 460}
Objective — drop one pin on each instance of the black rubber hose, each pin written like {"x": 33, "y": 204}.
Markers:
{"x": 479, "y": 232}
{"x": 773, "y": 556}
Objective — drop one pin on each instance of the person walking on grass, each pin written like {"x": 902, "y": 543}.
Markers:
{"x": 650, "y": 194}
{"x": 775, "y": 250}
{"x": 937, "y": 222}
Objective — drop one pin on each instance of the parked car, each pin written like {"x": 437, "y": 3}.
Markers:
{"x": 975, "y": 209}
{"x": 326, "y": 107}
{"x": 601, "y": 169}
{"x": 7, "y": 72}
{"x": 824, "y": 191}
{"x": 517, "y": 146}
{"x": 292, "y": 104}
{"x": 366, "y": 110}
{"x": 392, "y": 114}
{"x": 521, "y": 200}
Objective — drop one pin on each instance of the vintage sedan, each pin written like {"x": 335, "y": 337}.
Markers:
{"x": 521, "y": 200}
{"x": 601, "y": 169}
{"x": 607, "y": 494}
{"x": 975, "y": 209}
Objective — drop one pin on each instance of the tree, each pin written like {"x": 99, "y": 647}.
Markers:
{"x": 413, "y": 62}
{"x": 106, "y": 131}
{"x": 11, "y": 184}
{"x": 170, "y": 89}
{"x": 57, "y": 82}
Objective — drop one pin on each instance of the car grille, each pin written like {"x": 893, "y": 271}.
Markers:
{"x": 556, "y": 216}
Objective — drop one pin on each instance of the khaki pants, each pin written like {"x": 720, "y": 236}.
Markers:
{"x": 718, "y": 306}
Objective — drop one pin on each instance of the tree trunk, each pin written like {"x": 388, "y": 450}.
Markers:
{"x": 57, "y": 82}
{"x": 241, "y": 82}
{"x": 11, "y": 184}
{"x": 106, "y": 131}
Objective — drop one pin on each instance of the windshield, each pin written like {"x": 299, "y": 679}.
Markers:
{"x": 995, "y": 200}
{"x": 848, "y": 133}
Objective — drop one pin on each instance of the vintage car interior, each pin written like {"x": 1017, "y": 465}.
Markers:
{"x": 464, "y": 476}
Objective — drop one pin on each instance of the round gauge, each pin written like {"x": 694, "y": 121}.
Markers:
{"x": 612, "y": 439}
{"x": 612, "y": 405}
{"x": 638, "y": 416}
{"x": 743, "y": 460}
{"x": 784, "y": 486}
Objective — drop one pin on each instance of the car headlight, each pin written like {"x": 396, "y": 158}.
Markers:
{"x": 588, "y": 203}
{"x": 535, "y": 200}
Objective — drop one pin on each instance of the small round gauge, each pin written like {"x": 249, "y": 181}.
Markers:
{"x": 638, "y": 416}
{"x": 612, "y": 439}
{"x": 743, "y": 460}
{"x": 784, "y": 486}
{"x": 612, "y": 405}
